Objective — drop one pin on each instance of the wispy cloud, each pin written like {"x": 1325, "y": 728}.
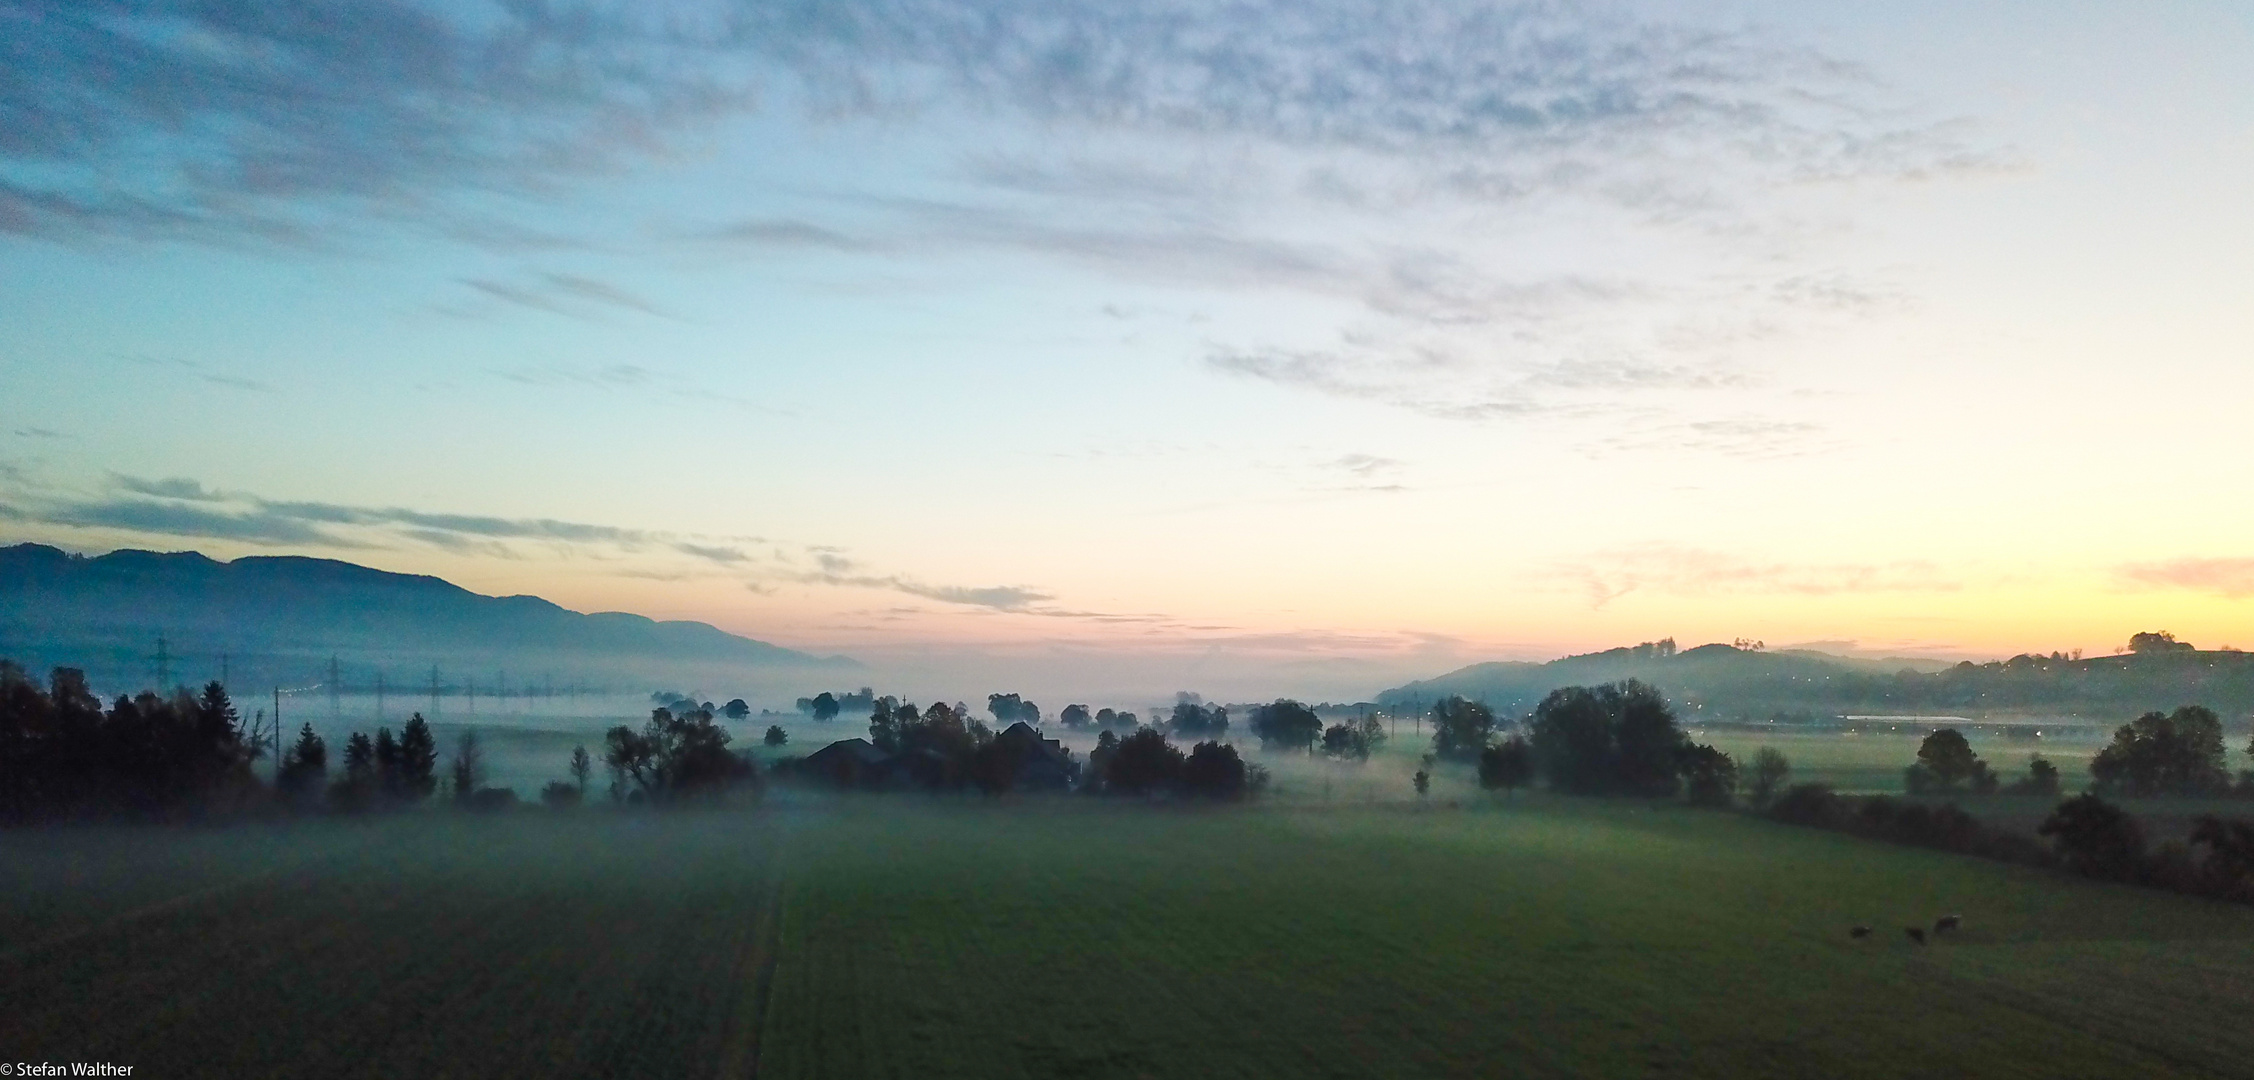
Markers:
{"x": 2229, "y": 578}
{"x": 1686, "y": 571}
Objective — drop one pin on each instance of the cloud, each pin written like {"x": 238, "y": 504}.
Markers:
{"x": 1403, "y": 165}
{"x": 725, "y": 556}
{"x": 1684, "y": 571}
{"x": 782, "y": 233}
{"x": 2229, "y": 578}
{"x": 39, "y": 433}
{"x": 1009, "y": 598}
{"x": 1366, "y": 466}
{"x": 174, "y": 519}
{"x": 174, "y": 488}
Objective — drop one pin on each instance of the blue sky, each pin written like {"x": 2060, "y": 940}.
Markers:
{"x": 1269, "y": 345}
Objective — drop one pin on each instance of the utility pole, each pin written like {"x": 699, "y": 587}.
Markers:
{"x": 469, "y": 690}
{"x": 336, "y": 689}
{"x": 379, "y": 695}
{"x": 434, "y": 691}
{"x": 277, "y": 733}
{"x": 164, "y": 667}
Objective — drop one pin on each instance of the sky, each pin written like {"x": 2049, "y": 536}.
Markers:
{"x": 1257, "y": 347}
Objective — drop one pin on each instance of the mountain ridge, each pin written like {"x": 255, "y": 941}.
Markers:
{"x": 59, "y": 601}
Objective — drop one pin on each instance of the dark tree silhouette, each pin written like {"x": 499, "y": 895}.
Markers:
{"x": 1073, "y": 716}
{"x": 305, "y": 766}
{"x": 1285, "y": 724}
{"x": 581, "y": 768}
{"x": 2157, "y": 641}
{"x": 1508, "y": 765}
{"x": 1767, "y": 776}
{"x": 1709, "y": 775}
{"x": 1214, "y": 771}
{"x": 1946, "y": 764}
{"x": 418, "y": 760}
{"x": 1423, "y": 782}
{"x": 2179, "y": 753}
{"x": 775, "y": 736}
{"x": 736, "y": 709}
{"x": 1193, "y": 717}
{"x": 2042, "y": 779}
{"x": 2096, "y": 838}
{"x": 1010, "y": 709}
{"x": 676, "y": 758}
{"x": 1617, "y": 739}
{"x": 1144, "y": 762}
{"x": 468, "y": 767}
{"x": 1460, "y": 728}
{"x": 825, "y": 706}
{"x": 1353, "y": 740}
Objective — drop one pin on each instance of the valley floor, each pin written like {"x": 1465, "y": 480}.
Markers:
{"x": 912, "y": 938}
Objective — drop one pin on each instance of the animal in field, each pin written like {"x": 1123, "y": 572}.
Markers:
{"x": 1947, "y": 922}
{"x": 1916, "y": 933}
{"x": 1859, "y": 933}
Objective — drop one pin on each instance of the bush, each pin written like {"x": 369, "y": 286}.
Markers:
{"x": 560, "y": 795}
{"x": 2096, "y": 838}
{"x": 1214, "y": 771}
{"x": 1710, "y": 776}
{"x": 1814, "y": 805}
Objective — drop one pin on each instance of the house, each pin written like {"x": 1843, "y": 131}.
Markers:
{"x": 848, "y": 763}
{"x": 1042, "y": 764}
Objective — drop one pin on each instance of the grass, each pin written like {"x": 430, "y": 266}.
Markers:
{"x": 918, "y": 939}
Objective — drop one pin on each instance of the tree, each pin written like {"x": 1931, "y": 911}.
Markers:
{"x": 1143, "y": 762}
{"x": 1460, "y": 728}
{"x": 1616, "y": 739}
{"x": 1508, "y": 765}
{"x": 1073, "y": 716}
{"x": 1010, "y": 709}
{"x": 676, "y": 758}
{"x": 1767, "y": 776}
{"x": 1214, "y": 771}
{"x": 418, "y": 760}
{"x": 1353, "y": 740}
{"x": 2157, "y": 641}
{"x": 581, "y": 766}
{"x": 825, "y": 706}
{"x": 360, "y": 786}
{"x": 468, "y": 767}
{"x": 1709, "y": 774}
{"x": 2042, "y": 779}
{"x": 1423, "y": 782}
{"x": 2096, "y": 838}
{"x": 1192, "y": 716}
{"x": 1099, "y": 760}
{"x": 1946, "y": 764}
{"x": 562, "y": 796}
{"x": 736, "y": 709}
{"x": 304, "y": 766}
{"x": 1285, "y": 724}
{"x": 2180, "y": 753}
{"x": 776, "y": 736}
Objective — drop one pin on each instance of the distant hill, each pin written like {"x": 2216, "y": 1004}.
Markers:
{"x": 1721, "y": 682}
{"x": 56, "y": 607}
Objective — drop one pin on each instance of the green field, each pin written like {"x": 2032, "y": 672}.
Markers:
{"x": 915, "y": 938}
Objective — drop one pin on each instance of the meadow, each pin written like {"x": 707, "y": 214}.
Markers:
{"x": 914, "y": 937}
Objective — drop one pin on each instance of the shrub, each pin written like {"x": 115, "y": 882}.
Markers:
{"x": 2096, "y": 838}
{"x": 1814, "y": 805}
